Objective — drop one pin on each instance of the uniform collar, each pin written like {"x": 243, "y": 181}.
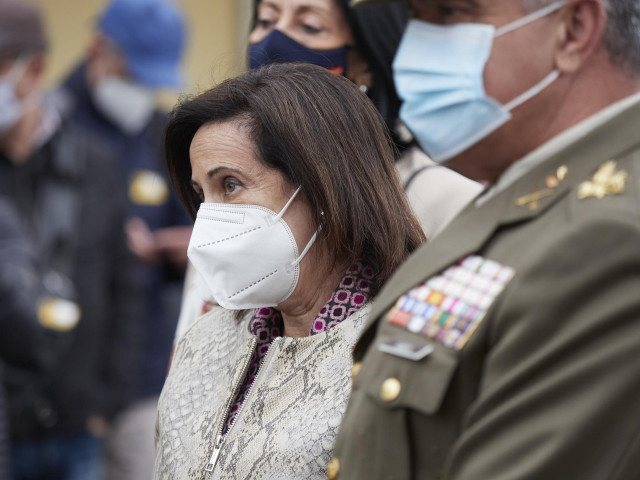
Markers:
{"x": 580, "y": 155}
{"x": 557, "y": 144}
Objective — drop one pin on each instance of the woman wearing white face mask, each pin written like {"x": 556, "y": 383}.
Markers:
{"x": 359, "y": 44}
{"x": 300, "y": 220}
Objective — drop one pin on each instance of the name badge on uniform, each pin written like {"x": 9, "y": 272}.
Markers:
{"x": 406, "y": 350}
{"x": 449, "y": 307}
{"x": 148, "y": 188}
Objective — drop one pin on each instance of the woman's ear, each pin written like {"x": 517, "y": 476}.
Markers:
{"x": 579, "y": 33}
{"x": 358, "y": 70}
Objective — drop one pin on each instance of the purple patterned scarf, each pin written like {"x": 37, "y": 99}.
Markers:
{"x": 351, "y": 295}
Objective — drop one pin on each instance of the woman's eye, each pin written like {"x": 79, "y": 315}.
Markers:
{"x": 265, "y": 24}
{"x": 311, "y": 30}
{"x": 230, "y": 185}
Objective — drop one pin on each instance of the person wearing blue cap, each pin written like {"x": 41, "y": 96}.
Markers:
{"x": 74, "y": 277}
{"x": 136, "y": 50}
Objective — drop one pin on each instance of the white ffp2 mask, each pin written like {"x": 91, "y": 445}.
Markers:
{"x": 246, "y": 255}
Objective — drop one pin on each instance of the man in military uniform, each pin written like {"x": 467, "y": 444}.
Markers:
{"x": 509, "y": 347}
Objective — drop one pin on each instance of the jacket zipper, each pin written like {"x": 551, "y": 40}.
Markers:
{"x": 213, "y": 460}
{"x": 219, "y": 438}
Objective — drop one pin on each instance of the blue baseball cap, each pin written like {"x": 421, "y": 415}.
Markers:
{"x": 151, "y": 35}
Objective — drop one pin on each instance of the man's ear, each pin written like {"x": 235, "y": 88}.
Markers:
{"x": 580, "y": 32}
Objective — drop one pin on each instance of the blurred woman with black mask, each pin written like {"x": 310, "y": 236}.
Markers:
{"x": 361, "y": 44}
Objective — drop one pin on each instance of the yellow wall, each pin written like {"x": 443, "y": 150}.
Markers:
{"x": 217, "y": 37}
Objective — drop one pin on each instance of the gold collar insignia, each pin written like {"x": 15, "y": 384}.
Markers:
{"x": 606, "y": 181}
{"x": 552, "y": 181}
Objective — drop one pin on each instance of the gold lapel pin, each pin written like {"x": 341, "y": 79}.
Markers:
{"x": 533, "y": 199}
{"x": 606, "y": 181}
{"x": 552, "y": 181}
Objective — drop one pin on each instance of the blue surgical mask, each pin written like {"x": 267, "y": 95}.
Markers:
{"x": 438, "y": 71}
{"x": 280, "y": 48}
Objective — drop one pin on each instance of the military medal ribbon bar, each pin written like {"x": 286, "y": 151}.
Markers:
{"x": 449, "y": 307}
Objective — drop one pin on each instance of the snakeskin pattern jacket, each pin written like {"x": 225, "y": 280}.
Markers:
{"x": 288, "y": 423}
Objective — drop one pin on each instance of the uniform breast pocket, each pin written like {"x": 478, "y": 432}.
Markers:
{"x": 403, "y": 370}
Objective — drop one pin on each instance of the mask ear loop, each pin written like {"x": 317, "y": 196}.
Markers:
{"x": 310, "y": 243}
{"x": 306, "y": 250}
{"x": 285, "y": 208}
{"x": 529, "y": 94}
{"x": 543, "y": 12}
{"x": 549, "y": 79}
{"x": 314, "y": 237}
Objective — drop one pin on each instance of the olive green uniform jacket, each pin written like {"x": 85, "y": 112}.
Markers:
{"x": 538, "y": 377}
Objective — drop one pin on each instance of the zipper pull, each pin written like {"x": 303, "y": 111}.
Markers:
{"x": 214, "y": 456}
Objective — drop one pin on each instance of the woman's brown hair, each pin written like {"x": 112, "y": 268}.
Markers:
{"x": 323, "y": 134}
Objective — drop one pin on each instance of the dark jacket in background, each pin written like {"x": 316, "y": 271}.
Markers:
{"x": 136, "y": 155}
{"x": 20, "y": 334}
{"x": 93, "y": 373}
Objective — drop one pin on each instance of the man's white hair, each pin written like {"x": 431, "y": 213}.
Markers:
{"x": 622, "y": 37}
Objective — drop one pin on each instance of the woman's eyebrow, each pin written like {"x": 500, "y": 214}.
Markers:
{"x": 267, "y": 4}
{"x": 212, "y": 173}
{"x": 217, "y": 170}
{"x": 312, "y": 9}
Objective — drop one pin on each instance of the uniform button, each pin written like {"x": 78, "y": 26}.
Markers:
{"x": 356, "y": 368}
{"x": 333, "y": 469}
{"x": 390, "y": 389}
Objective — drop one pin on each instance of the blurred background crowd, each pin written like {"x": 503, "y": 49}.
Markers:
{"x": 93, "y": 241}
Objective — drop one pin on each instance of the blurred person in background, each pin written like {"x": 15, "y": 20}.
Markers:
{"x": 136, "y": 51}
{"x": 290, "y": 174}
{"x": 360, "y": 44}
{"x": 68, "y": 194}
{"x": 21, "y": 336}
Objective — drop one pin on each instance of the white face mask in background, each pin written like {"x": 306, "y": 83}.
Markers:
{"x": 11, "y": 107}
{"x": 128, "y": 105}
{"x": 246, "y": 254}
